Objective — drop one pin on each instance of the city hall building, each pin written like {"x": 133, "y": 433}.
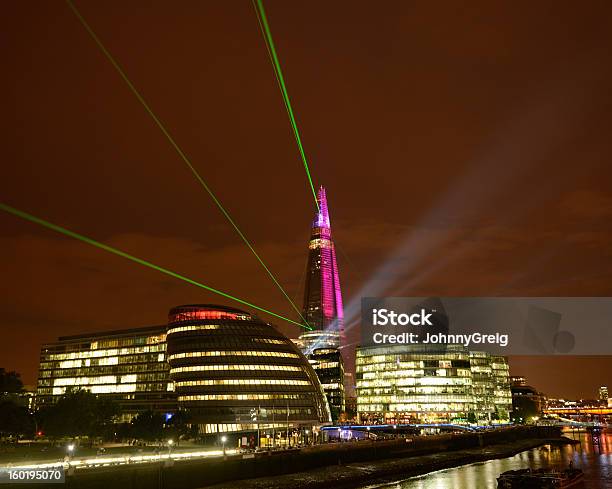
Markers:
{"x": 396, "y": 384}
{"x": 231, "y": 370}
{"x": 235, "y": 372}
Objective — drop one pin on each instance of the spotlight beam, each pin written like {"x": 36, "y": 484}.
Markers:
{"x": 140, "y": 261}
{"x": 182, "y": 155}
{"x": 265, "y": 30}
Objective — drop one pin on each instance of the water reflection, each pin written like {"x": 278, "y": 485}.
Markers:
{"x": 593, "y": 456}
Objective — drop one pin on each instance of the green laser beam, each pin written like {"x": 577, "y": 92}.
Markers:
{"x": 265, "y": 29}
{"x": 180, "y": 152}
{"x": 123, "y": 254}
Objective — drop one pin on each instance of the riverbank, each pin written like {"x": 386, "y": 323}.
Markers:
{"x": 382, "y": 471}
{"x": 341, "y": 464}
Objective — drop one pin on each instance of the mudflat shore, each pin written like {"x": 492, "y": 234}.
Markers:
{"x": 380, "y": 471}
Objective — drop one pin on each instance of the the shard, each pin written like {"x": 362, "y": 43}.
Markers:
{"x": 323, "y": 309}
{"x": 322, "y": 295}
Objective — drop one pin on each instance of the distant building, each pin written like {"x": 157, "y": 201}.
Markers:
{"x": 527, "y": 402}
{"x": 518, "y": 380}
{"x": 25, "y": 398}
{"x": 349, "y": 385}
{"x": 603, "y": 394}
{"x": 421, "y": 384}
{"x": 351, "y": 409}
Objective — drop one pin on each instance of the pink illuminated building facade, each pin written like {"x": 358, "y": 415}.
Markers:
{"x": 323, "y": 309}
{"x": 322, "y": 296}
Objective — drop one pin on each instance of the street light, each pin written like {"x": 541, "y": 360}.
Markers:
{"x": 70, "y": 450}
{"x": 223, "y": 440}
{"x": 170, "y": 443}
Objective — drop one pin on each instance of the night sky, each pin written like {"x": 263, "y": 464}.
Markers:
{"x": 465, "y": 150}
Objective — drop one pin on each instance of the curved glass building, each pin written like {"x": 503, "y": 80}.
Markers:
{"x": 235, "y": 372}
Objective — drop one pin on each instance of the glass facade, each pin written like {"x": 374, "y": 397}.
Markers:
{"x": 235, "y": 372}
{"x": 128, "y": 366}
{"x": 329, "y": 367}
{"x": 323, "y": 309}
{"x": 396, "y": 384}
{"x": 502, "y": 393}
{"x": 308, "y": 342}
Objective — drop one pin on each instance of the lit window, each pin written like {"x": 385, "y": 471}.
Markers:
{"x": 205, "y": 368}
{"x": 188, "y": 383}
{"x": 251, "y": 353}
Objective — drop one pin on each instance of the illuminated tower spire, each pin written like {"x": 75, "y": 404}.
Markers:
{"x": 323, "y": 310}
{"x": 322, "y": 296}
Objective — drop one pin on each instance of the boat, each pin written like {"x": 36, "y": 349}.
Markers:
{"x": 539, "y": 479}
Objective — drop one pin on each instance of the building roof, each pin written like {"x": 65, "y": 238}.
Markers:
{"x": 116, "y": 332}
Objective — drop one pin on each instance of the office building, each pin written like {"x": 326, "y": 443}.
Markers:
{"x": 329, "y": 367}
{"x": 128, "y": 366}
{"x": 527, "y": 402}
{"x": 396, "y": 384}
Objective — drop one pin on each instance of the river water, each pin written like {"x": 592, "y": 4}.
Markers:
{"x": 595, "y": 459}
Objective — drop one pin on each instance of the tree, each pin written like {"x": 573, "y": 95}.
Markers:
{"x": 10, "y": 382}
{"x": 107, "y": 411}
{"x": 148, "y": 425}
{"x": 179, "y": 426}
{"x": 335, "y": 412}
{"x": 15, "y": 419}
{"x": 78, "y": 413}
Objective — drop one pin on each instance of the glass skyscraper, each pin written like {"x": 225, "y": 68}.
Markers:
{"x": 323, "y": 309}
{"x": 322, "y": 295}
